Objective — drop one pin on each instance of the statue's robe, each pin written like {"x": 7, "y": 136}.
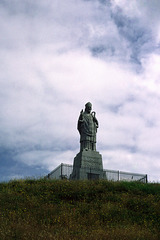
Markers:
{"x": 87, "y": 127}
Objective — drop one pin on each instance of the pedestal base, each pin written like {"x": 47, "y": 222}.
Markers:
{"x": 88, "y": 165}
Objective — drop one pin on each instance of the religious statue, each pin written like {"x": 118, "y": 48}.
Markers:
{"x": 87, "y": 127}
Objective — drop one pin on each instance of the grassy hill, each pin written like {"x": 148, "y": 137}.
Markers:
{"x": 97, "y": 210}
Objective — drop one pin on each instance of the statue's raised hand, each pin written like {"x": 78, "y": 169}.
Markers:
{"x": 81, "y": 115}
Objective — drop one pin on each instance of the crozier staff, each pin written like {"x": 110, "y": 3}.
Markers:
{"x": 87, "y": 127}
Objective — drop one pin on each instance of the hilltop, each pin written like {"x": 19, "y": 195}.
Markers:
{"x": 97, "y": 210}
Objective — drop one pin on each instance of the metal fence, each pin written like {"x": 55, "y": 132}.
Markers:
{"x": 63, "y": 171}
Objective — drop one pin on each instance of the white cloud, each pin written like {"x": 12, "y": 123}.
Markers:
{"x": 119, "y": 159}
{"x": 151, "y": 73}
{"x": 139, "y": 8}
{"x": 144, "y": 11}
{"x": 48, "y": 73}
{"x": 46, "y": 159}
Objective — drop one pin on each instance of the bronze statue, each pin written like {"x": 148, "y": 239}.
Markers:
{"x": 87, "y": 127}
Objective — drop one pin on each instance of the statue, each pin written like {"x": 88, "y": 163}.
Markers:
{"x": 87, "y": 127}
{"x": 88, "y": 162}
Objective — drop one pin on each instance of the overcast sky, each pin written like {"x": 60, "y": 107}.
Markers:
{"x": 56, "y": 56}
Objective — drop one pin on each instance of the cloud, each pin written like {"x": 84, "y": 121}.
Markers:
{"x": 145, "y": 12}
{"x": 134, "y": 162}
{"x": 56, "y": 56}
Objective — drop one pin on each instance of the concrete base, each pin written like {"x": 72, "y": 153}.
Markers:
{"x": 88, "y": 165}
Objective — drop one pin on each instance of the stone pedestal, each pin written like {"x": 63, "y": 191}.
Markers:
{"x": 87, "y": 165}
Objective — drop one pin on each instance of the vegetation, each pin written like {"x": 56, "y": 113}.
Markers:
{"x": 97, "y": 210}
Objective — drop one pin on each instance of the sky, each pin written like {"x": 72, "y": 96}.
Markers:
{"x": 58, "y": 55}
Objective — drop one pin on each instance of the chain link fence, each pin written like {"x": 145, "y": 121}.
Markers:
{"x": 63, "y": 171}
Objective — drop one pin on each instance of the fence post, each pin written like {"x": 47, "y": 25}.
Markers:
{"x": 61, "y": 170}
{"x": 118, "y": 175}
{"x": 146, "y": 179}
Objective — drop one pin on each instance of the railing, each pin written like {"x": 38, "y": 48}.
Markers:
{"x": 63, "y": 171}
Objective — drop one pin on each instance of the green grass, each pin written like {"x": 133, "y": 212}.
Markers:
{"x": 97, "y": 210}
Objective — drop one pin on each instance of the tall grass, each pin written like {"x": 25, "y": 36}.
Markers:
{"x": 45, "y": 209}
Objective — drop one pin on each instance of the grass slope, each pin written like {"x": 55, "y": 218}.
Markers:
{"x": 97, "y": 210}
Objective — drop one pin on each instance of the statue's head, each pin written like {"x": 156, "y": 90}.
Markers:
{"x": 88, "y": 107}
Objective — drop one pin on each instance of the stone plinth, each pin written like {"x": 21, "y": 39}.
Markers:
{"x": 88, "y": 165}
